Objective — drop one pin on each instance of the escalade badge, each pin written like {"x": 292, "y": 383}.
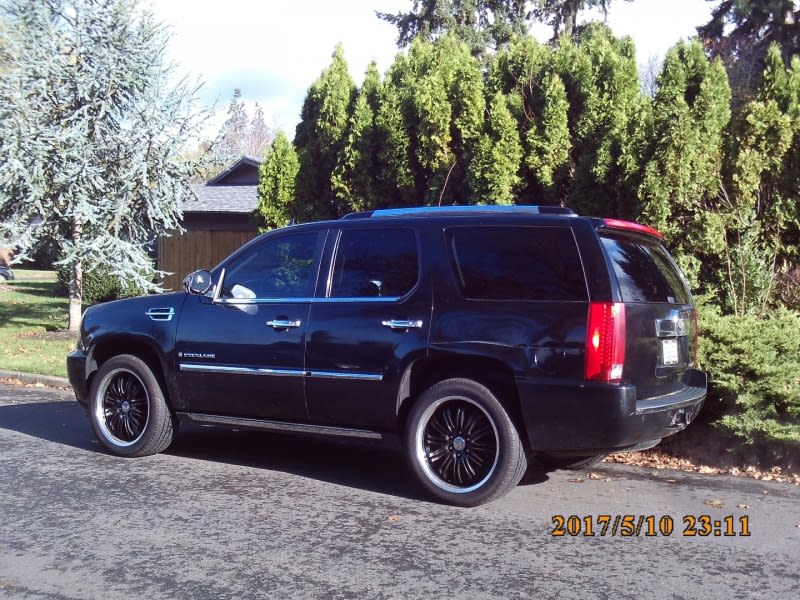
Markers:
{"x": 196, "y": 355}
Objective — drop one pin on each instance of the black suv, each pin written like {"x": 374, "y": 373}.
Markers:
{"x": 478, "y": 337}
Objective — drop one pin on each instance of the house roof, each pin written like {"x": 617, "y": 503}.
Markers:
{"x": 235, "y": 190}
{"x": 223, "y": 199}
{"x": 243, "y": 172}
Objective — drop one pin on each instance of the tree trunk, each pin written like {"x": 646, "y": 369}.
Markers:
{"x": 76, "y": 283}
{"x": 75, "y": 297}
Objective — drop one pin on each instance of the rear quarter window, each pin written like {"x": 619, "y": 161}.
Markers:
{"x": 517, "y": 263}
{"x": 645, "y": 271}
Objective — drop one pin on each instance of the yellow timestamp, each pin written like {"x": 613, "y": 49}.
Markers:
{"x": 649, "y": 526}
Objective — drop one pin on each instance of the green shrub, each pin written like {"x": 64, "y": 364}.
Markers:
{"x": 100, "y": 285}
{"x": 754, "y": 378}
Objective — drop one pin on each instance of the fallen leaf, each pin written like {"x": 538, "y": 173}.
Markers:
{"x": 393, "y": 518}
{"x": 715, "y": 503}
{"x": 597, "y": 476}
{"x": 671, "y": 480}
{"x": 742, "y": 506}
{"x": 575, "y": 480}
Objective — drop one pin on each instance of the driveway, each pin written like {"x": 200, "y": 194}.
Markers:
{"x": 227, "y": 514}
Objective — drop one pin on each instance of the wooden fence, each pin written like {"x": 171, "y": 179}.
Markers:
{"x": 196, "y": 249}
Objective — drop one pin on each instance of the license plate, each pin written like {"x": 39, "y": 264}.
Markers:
{"x": 669, "y": 350}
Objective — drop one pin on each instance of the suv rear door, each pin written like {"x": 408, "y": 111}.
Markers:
{"x": 370, "y": 320}
{"x": 660, "y": 317}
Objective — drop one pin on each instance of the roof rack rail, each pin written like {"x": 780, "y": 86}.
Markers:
{"x": 472, "y": 209}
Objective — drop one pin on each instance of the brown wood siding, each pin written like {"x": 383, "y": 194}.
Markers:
{"x": 193, "y": 250}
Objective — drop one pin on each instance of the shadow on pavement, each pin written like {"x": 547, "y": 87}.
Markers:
{"x": 368, "y": 467}
{"x": 358, "y": 465}
{"x": 59, "y": 422}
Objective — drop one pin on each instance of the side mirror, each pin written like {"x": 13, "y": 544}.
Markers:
{"x": 197, "y": 283}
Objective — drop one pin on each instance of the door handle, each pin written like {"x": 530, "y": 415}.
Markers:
{"x": 283, "y": 324}
{"x": 401, "y": 324}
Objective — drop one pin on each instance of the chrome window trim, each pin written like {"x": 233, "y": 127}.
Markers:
{"x": 359, "y": 299}
{"x": 329, "y": 277}
{"x": 218, "y": 289}
{"x": 246, "y": 301}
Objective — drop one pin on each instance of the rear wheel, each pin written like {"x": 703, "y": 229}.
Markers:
{"x": 127, "y": 408}
{"x": 461, "y": 444}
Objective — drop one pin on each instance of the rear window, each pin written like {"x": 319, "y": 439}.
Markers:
{"x": 517, "y": 263}
{"x": 645, "y": 271}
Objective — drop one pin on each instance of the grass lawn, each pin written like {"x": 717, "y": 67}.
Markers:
{"x": 33, "y": 316}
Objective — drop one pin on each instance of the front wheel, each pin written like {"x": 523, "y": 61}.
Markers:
{"x": 461, "y": 444}
{"x": 127, "y": 408}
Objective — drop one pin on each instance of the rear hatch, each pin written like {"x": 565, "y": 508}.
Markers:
{"x": 660, "y": 316}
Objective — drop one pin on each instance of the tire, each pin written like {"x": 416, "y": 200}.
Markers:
{"x": 570, "y": 463}
{"x": 461, "y": 444}
{"x": 127, "y": 408}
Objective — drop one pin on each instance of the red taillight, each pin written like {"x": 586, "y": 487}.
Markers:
{"x": 605, "y": 341}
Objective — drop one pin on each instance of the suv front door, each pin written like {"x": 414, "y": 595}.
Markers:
{"x": 368, "y": 323}
{"x": 240, "y": 351}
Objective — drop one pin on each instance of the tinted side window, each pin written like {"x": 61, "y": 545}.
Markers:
{"x": 375, "y": 263}
{"x": 645, "y": 271}
{"x": 517, "y": 263}
{"x": 278, "y": 268}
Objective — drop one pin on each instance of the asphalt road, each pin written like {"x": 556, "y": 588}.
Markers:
{"x": 227, "y": 514}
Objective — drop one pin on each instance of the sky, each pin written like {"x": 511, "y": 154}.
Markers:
{"x": 273, "y": 50}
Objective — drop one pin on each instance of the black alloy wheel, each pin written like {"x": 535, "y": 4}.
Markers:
{"x": 461, "y": 444}
{"x": 127, "y": 408}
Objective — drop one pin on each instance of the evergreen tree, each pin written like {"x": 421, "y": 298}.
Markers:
{"x": 582, "y": 119}
{"x": 741, "y": 31}
{"x": 240, "y": 135}
{"x": 765, "y": 156}
{"x": 234, "y": 131}
{"x": 548, "y": 139}
{"x": 608, "y": 116}
{"x": 354, "y": 178}
{"x": 562, "y": 15}
{"x": 691, "y": 111}
{"x": 259, "y": 136}
{"x": 90, "y": 136}
{"x": 478, "y": 23}
{"x": 495, "y": 172}
{"x": 276, "y": 184}
{"x": 430, "y": 123}
{"x": 395, "y": 180}
{"x": 320, "y": 138}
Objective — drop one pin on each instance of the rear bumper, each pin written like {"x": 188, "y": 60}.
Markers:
{"x": 76, "y": 371}
{"x": 598, "y": 417}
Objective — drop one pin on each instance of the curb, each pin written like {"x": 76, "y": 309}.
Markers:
{"x": 33, "y": 378}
